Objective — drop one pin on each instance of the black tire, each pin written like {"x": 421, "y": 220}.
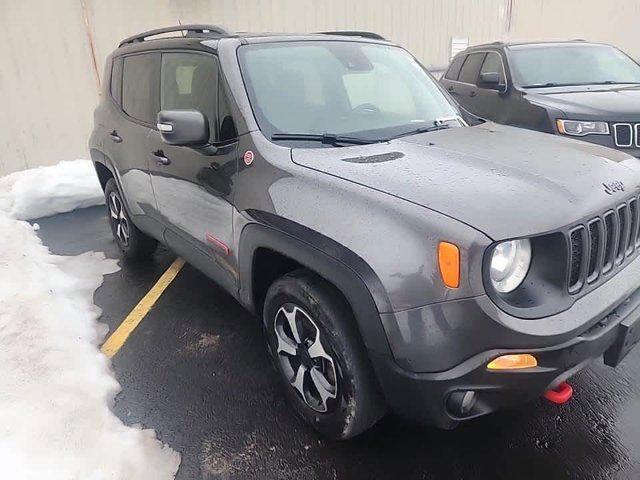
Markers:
{"x": 133, "y": 243}
{"x": 357, "y": 404}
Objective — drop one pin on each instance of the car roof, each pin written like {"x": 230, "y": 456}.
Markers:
{"x": 524, "y": 45}
{"x": 193, "y": 35}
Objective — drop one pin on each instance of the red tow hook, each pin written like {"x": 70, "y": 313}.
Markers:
{"x": 561, "y": 394}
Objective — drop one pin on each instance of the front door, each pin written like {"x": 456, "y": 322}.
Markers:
{"x": 193, "y": 188}
{"x": 490, "y": 103}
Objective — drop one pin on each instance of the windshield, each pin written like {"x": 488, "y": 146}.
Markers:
{"x": 571, "y": 65}
{"x": 350, "y": 89}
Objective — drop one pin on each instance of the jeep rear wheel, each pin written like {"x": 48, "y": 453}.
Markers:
{"x": 133, "y": 243}
{"x": 318, "y": 352}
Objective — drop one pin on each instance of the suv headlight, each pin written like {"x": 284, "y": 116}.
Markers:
{"x": 510, "y": 262}
{"x": 580, "y": 128}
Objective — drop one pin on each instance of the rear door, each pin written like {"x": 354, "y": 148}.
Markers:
{"x": 450, "y": 78}
{"x": 133, "y": 90}
{"x": 193, "y": 188}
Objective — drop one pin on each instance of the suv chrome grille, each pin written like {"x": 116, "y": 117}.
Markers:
{"x": 626, "y": 135}
{"x": 602, "y": 244}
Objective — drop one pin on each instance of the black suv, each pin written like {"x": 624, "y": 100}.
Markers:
{"x": 398, "y": 257}
{"x": 584, "y": 90}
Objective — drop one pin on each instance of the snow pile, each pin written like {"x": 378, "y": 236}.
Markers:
{"x": 56, "y": 387}
{"x": 44, "y": 191}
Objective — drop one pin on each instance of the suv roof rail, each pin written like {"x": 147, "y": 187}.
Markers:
{"x": 191, "y": 31}
{"x": 355, "y": 33}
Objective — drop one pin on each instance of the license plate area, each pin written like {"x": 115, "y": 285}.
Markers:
{"x": 628, "y": 337}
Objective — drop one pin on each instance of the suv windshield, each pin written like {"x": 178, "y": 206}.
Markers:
{"x": 571, "y": 65}
{"x": 352, "y": 90}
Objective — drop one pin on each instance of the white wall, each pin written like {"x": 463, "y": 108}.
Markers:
{"x": 48, "y": 84}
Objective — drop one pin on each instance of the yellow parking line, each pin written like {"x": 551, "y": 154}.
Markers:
{"x": 117, "y": 338}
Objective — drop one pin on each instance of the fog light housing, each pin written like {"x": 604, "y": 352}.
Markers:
{"x": 513, "y": 362}
{"x": 461, "y": 403}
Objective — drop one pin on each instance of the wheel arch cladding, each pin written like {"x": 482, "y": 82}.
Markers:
{"x": 303, "y": 247}
{"x": 103, "y": 167}
{"x": 104, "y": 174}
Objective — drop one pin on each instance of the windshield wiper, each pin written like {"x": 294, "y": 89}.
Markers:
{"x": 612, "y": 82}
{"x": 326, "y": 138}
{"x": 583, "y": 84}
{"x": 430, "y": 128}
{"x": 548, "y": 84}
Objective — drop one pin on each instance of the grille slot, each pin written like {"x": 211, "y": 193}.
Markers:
{"x": 577, "y": 238}
{"x": 623, "y": 134}
{"x": 623, "y": 238}
{"x": 611, "y": 237}
{"x": 596, "y": 235}
{"x": 633, "y": 236}
{"x": 602, "y": 243}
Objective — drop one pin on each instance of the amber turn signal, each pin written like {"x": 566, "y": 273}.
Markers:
{"x": 513, "y": 362}
{"x": 449, "y": 262}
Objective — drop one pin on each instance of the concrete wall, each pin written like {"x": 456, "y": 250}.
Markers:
{"x": 48, "y": 85}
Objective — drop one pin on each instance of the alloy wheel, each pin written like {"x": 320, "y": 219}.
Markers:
{"x": 310, "y": 370}
{"x": 118, "y": 219}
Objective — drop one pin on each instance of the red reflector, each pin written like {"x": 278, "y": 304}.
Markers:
{"x": 217, "y": 243}
{"x": 561, "y": 394}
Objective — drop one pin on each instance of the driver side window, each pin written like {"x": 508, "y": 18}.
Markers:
{"x": 190, "y": 81}
{"x": 492, "y": 64}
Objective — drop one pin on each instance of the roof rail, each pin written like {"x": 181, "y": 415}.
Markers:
{"x": 191, "y": 31}
{"x": 355, "y": 33}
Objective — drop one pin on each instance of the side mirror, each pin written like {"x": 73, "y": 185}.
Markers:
{"x": 188, "y": 128}
{"x": 491, "y": 80}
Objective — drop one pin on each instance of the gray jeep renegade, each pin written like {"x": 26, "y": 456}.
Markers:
{"x": 400, "y": 258}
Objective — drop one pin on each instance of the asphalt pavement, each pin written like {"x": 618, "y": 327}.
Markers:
{"x": 196, "y": 371}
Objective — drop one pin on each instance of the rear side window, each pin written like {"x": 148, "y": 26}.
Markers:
{"x": 190, "y": 81}
{"x": 454, "y": 68}
{"x": 115, "y": 86}
{"x": 140, "y": 87}
{"x": 471, "y": 68}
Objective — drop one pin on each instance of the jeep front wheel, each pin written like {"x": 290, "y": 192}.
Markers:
{"x": 321, "y": 359}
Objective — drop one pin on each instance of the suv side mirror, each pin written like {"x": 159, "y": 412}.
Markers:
{"x": 188, "y": 128}
{"x": 491, "y": 80}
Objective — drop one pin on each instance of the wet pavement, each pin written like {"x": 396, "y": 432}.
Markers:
{"x": 196, "y": 371}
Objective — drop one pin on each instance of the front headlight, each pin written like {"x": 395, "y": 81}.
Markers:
{"x": 509, "y": 264}
{"x": 580, "y": 128}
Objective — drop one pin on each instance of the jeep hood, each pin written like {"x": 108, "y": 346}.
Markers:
{"x": 504, "y": 181}
{"x": 618, "y": 104}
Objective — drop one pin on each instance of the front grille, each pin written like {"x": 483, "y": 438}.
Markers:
{"x": 602, "y": 244}
{"x": 626, "y": 135}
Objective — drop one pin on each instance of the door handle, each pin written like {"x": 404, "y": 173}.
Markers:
{"x": 473, "y": 93}
{"x": 160, "y": 158}
{"x": 115, "y": 137}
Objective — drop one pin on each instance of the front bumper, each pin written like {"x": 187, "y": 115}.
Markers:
{"x": 444, "y": 348}
{"x": 606, "y": 141}
{"x": 426, "y": 397}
